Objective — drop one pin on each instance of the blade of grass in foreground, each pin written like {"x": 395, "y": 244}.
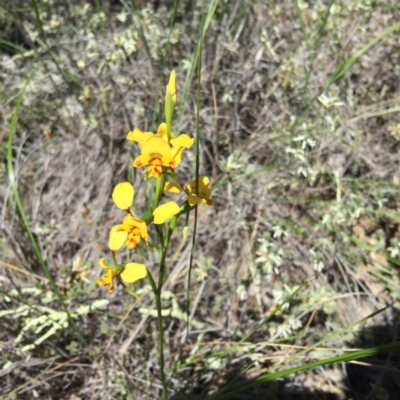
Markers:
{"x": 13, "y": 184}
{"x": 308, "y": 349}
{"x": 355, "y": 355}
{"x": 328, "y": 338}
{"x": 304, "y": 351}
{"x": 193, "y": 64}
{"x": 197, "y": 169}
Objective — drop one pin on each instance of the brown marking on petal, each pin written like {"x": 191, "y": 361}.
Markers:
{"x": 156, "y": 161}
{"x": 102, "y": 282}
{"x": 157, "y": 172}
{"x": 131, "y": 242}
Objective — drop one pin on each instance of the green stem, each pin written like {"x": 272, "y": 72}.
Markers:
{"x": 157, "y": 295}
{"x": 161, "y": 344}
{"x": 159, "y": 189}
{"x": 197, "y": 171}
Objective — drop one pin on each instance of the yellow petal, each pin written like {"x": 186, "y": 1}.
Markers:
{"x": 124, "y": 227}
{"x": 103, "y": 281}
{"x": 172, "y": 187}
{"x": 154, "y": 171}
{"x": 132, "y": 241}
{"x": 176, "y": 154}
{"x": 162, "y": 131}
{"x": 102, "y": 263}
{"x": 205, "y": 180}
{"x": 169, "y": 162}
{"x": 133, "y": 272}
{"x": 108, "y": 279}
{"x": 142, "y": 160}
{"x": 123, "y": 195}
{"x": 183, "y": 141}
{"x": 193, "y": 200}
{"x": 204, "y": 192}
{"x": 138, "y": 136}
{"x": 172, "y": 86}
{"x": 130, "y": 221}
{"x": 156, "y": 145}
{"x": 203, "y": 188}
{"x": 164, "y": 212}
{"x": 117, "y": 238}
{"x": 111, "y": 287}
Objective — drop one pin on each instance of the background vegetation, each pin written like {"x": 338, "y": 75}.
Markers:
{"x": 300, "y": 135}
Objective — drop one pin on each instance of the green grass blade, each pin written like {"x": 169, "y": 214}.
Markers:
{"x": 14, "y": 188}
{"x": 197, "y": 169}
{"x": 344, "y": 67}
{"x": 139, "y": 29}
{"x": 39, "y": 21}
{"x": 337, "y": 333}
{"x": 302, "y": 25}
{"x": 320, "y": 33}
{"x": 372, "y": 351}
{"x": 193, "y": 64}
{"x": 308, "y": 349}
{"x": 11, "y": 46}
{"x": 355, "y": 355}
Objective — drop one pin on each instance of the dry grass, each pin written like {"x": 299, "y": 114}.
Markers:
{"x": 329, "y": 204}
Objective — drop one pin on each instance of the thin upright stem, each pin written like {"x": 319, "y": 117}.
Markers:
{"x": 157, "y": 295}
{"x": 159, "y": 189}
{"x": 161, "y": 343}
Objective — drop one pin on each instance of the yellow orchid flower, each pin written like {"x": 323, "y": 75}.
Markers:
{"x": 131, "y": 272}
{"x": 132, "y": 229}
{"x": 156, "y": 151}
{"x": 129, "y": 232}
{"x": 164, "y": 212}
{"x": 204, "y": 193}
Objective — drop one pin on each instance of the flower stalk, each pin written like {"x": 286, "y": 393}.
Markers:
{"x": 160, "y": 154}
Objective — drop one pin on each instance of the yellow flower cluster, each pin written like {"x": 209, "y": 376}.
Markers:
{"x": 161, "y": 152}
